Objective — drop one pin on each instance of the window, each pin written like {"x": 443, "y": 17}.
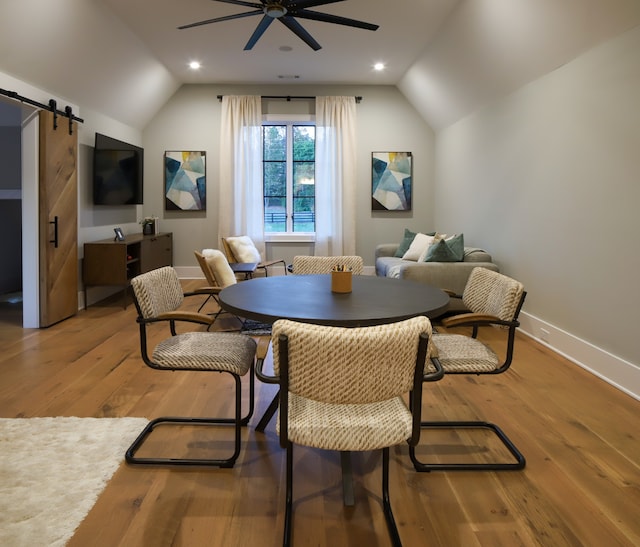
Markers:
{"x": 289, "y": 177}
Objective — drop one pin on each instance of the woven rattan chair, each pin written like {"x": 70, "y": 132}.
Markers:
{"x": 218, "y": 273}
{"x": 158, "y": 296}
{"x": 305, "y": 265}
{"x": 234, "y": 246}
{"x": 342, "y": 389}
{"x": 493, "y": 299}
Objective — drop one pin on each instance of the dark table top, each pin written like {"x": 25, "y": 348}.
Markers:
{"x": 308, "y": 298}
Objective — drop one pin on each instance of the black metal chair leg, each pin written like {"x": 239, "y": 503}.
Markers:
{"x": 268, "y": 414}
{"x": 288, "y": 512}
{"x": 518, "y": 464}
{"x": 238, "y": 421}
{"x": 203, "y": 304}
{"x": 386, "y": 504}
{"x": 348, "y": 495}
{"x": 252, "y": 391}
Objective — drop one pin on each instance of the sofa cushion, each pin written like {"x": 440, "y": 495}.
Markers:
{"x": 384, "y": 265}
{"x": 446, "y": 250}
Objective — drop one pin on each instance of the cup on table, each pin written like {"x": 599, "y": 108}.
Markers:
{"x": 341, "y": 279}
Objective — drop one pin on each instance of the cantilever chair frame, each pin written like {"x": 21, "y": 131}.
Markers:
{"x": 264, "y": 265}
{"x": 237, "y": 421}
{"x": 476, "y": 321}
{"x": 415, "y": 397}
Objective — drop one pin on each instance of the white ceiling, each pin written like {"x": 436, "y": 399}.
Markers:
{"x": 347, "y": 54}
{"x": 125, "y": 58}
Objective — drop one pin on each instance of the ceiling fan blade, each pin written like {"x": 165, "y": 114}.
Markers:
{"x": 225, "y": 18}
{"x": 241, "y": 3}
{"x": 262, "y": 26}
{"x": 302, "y": 4}
{"x": 300, "y": 32}
{"x": 327, "y": 18}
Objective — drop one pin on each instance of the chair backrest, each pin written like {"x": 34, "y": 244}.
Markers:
{"x": 492, "y": 293}
{"x": 306, "y": 265}
{"x": 216, "y": 268}
{"x": 157, "y": 291}
{"x": 351, "y": 365}
{"x": 240, "y": 249}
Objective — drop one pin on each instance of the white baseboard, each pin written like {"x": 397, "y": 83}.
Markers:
{"x": 612, "y": 369}
{"x": 189, "y": 272}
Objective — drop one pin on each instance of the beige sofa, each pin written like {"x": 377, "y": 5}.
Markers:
{"x": 446, "y": 275}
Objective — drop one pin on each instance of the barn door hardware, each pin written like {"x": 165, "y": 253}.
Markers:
{"x": 52, "y": 106}
{"x": 55, "y": 231}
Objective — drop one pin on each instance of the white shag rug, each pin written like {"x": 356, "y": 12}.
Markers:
{"x": 52, "y": 471}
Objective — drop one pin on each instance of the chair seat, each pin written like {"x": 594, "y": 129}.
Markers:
{"x": 227, "y": 352}
{"x": 459, "y": 353}
{"x": 348, "y": 427}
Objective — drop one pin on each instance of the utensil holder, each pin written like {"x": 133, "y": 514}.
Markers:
{"x": 341, "y": 281}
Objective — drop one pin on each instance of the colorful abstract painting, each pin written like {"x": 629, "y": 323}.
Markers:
{"x": 391, "y": 181}
{"x": 185, "y": 187}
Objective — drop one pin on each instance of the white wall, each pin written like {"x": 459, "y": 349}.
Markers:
{"x": 548, "y": 180}
{"x": 191, "y": 121}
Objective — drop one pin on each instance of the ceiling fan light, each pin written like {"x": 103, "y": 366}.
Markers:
{"x": 274, "y": 10}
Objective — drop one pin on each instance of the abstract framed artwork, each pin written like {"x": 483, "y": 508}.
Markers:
{"x": 391, "y": 174}
{"x": 185, "y": 181}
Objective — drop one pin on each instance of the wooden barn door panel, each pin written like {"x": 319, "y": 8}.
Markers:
{"x": 58, "y": 220}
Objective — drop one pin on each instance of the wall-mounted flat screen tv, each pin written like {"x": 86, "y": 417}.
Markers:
{"x": 117, "y": 172}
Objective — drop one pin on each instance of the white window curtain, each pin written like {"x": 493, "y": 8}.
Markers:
{"x": 241, "y": 207}
{"x": 335, "y": 176}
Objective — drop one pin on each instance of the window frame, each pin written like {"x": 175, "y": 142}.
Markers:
{"x": 289, "y": 120}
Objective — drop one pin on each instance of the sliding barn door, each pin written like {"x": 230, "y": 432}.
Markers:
{"x": 58, "y": 220}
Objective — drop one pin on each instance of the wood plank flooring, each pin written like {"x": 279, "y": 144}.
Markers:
{"x": 581, "y": 486}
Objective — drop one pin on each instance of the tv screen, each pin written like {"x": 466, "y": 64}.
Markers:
{"x": 117, "y": 172}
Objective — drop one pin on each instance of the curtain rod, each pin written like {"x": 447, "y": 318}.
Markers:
{"x": 289, "y": 97}
{"x": 52, "y": 107}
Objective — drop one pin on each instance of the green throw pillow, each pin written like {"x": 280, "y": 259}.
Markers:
{"x": 447, "y": 250}
{"x": 407, "y": 241}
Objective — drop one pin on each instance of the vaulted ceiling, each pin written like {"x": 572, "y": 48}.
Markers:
{"x": 125, "y": 58}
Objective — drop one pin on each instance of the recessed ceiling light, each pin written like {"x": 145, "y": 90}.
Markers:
{"x": 379, "y": 66}
{"x": 194, "y": 65}
{"x": 285, "y": 48}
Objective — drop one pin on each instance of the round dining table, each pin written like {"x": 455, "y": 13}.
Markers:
{"x": 373, "y": 300}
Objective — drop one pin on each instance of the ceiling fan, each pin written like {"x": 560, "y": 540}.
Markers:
{"x": 286, "y": 12}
